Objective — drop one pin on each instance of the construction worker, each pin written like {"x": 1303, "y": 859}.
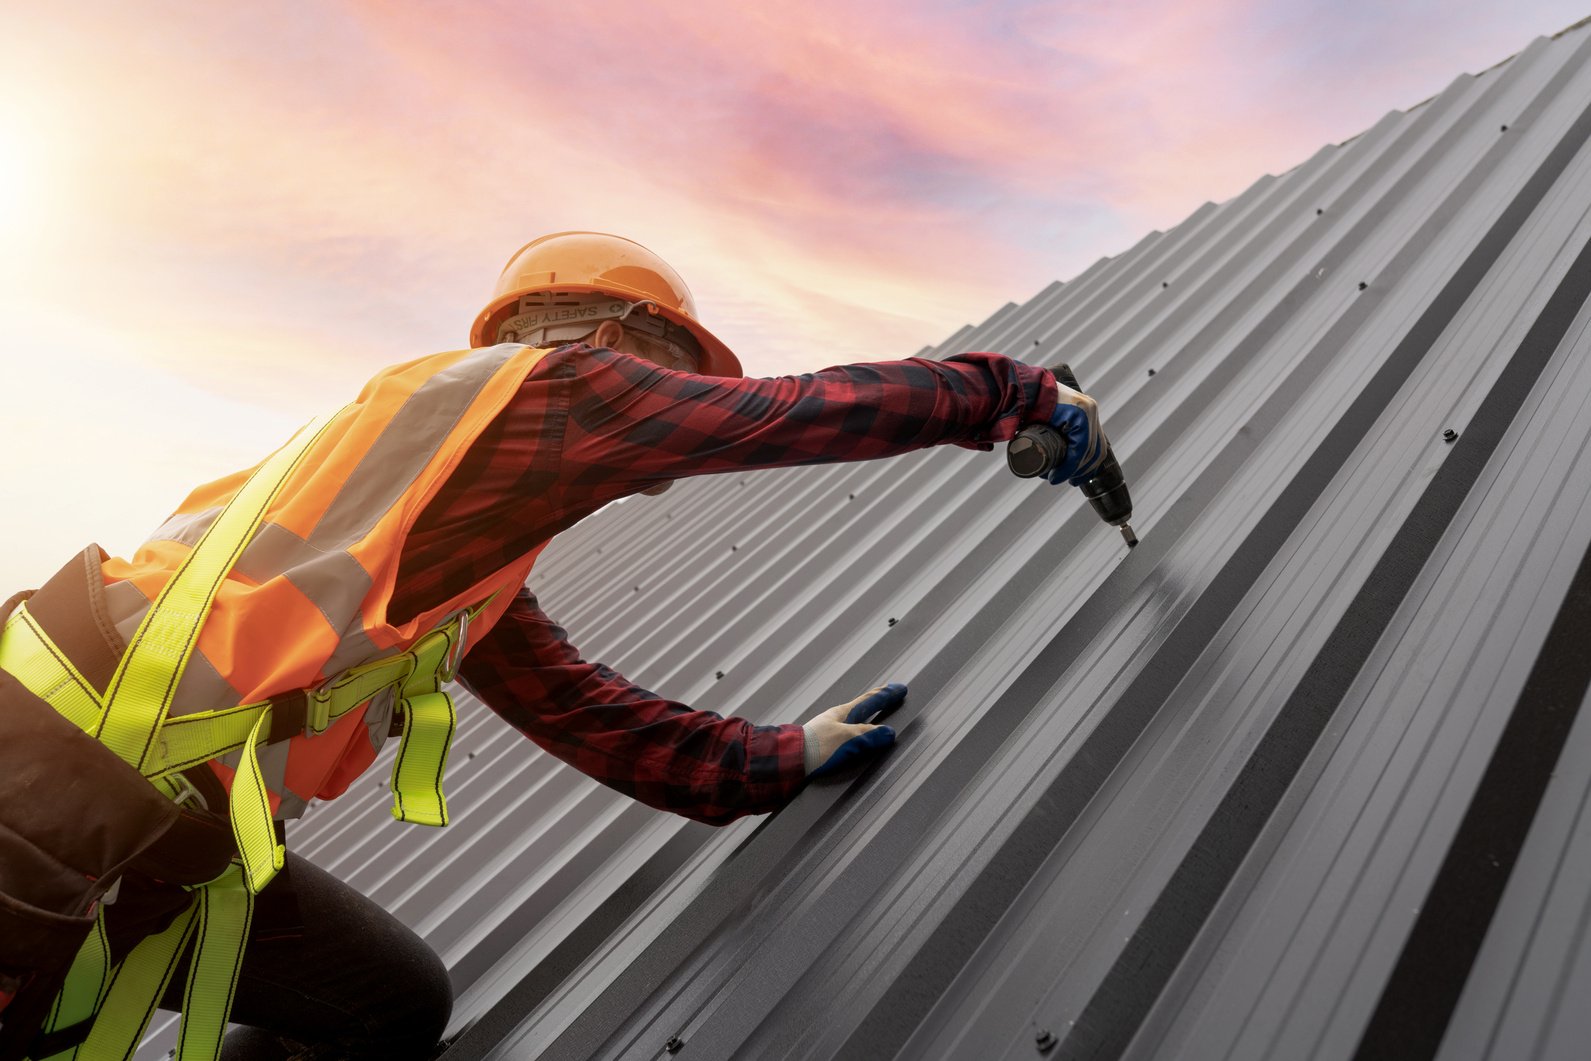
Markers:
{"x": 258, "y": 649}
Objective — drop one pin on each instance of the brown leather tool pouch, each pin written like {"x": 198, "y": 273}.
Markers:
{"x": 73, "y": 818}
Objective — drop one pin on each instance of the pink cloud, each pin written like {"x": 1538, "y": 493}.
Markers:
{"x": 259, "y": 206}
{"x": 348, "y": 180}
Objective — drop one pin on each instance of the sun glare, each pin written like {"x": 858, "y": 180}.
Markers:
{"x": 28, "y": 190}
{"x": 24, "y": 156}
{"x": 13, "y": 178}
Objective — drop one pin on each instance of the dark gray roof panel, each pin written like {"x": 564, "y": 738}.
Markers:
{"x": 1525, "y": 995}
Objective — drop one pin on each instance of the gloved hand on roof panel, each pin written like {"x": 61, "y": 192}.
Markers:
{"x": 841, "y": 735}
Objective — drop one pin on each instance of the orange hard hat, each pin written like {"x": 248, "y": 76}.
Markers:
{"x": 597, "y": 262}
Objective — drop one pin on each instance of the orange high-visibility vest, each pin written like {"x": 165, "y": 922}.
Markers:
{"x": 254, "y": 628}
{"x": 308, "y": 597}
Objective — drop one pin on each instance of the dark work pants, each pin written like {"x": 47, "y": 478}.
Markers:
{"x": 330, "y": 976}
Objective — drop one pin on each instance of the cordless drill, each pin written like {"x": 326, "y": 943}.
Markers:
{"x": 1038, "y": 448}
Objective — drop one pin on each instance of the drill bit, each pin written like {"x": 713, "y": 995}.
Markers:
{"x": 1126, "y": 532}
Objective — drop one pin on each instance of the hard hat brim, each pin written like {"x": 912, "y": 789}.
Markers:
{"x": 720, "y": 360}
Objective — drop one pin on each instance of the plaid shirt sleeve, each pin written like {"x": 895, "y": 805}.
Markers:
{"x": 591, "y": 425}
{"x": 634, "y": 424}
{"x": 660, "y": 752}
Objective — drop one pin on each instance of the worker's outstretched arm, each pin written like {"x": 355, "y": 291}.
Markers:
{"x": 590, "y": 425}
{"x": 663, "y": 753}
{"x": 632, "y": 423}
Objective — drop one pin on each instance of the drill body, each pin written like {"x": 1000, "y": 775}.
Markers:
{"x": 1038, "y": 448}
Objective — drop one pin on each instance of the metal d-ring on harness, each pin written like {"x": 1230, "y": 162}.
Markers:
{"x": 131, "y": 718}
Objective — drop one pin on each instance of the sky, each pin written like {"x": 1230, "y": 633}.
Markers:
{"x": 218, "y": 220}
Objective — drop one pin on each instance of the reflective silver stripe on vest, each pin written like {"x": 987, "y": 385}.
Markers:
{"x": 334, "y": 582}
{"x": 185, "y": 529}
{"x": 292, "y": 806}
{"x": 273, "y": 766}
{"x": 322, "y": 568}
{"x": 126, "y": 604}
{"x": 200, "y": 682}
{"x": 406, "y": 446}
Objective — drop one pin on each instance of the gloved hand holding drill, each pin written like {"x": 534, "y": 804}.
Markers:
{"x": 1071, "y": 448}
{"x": 1076, "y": 416}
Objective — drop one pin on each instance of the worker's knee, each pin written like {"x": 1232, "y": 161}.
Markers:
{"x": 418, "y": 1002}
{"x": 334, "y": 970}
{"x": 432, "y": 995}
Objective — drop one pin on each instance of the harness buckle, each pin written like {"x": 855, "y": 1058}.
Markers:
{"x": 184, "y": 791}
{"x": 317, "y": 709}
{"x": 455, "y": 654}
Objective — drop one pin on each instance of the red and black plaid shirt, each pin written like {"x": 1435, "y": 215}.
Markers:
{"x": 591, "y": 425}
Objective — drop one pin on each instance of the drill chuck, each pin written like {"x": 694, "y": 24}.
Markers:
{"x": 1106, "y": 490}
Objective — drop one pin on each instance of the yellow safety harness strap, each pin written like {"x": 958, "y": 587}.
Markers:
{"x": 183, "y": 741}
{"x": 27, "y": 654}
{"x": 428, "y": 723}
{"x": 224, "y": 911}
{"x": 218, "y": 921}
{"x": 188, "y": 740}
{"x": 250, "y": 807}
{"x": 86, "y": 982}
{"x": 135, "y": 990}
{"x": 139, "y": 695}
{"x": 140, "y": 691}
{"x": 356, "y": 685}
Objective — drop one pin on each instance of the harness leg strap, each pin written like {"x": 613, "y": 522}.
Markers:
{"x": 428, "y": 722}
{"x": 79, "y": 997}
{"x": 225, "y": 909}
{"x": 135, "y": 990}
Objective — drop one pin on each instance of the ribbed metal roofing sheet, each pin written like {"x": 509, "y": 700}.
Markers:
{"x": 1282, "y": 782}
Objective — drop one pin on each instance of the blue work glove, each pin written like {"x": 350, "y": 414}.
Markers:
{"x": 841, "y": 735}
{"x": 1077, "y": 417}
